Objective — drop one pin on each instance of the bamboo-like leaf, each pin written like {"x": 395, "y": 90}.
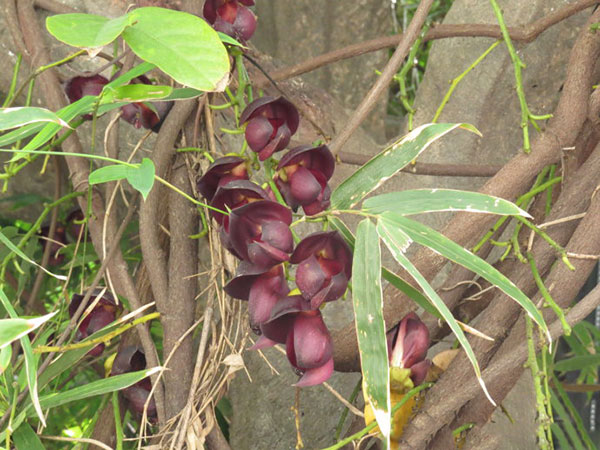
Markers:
{"x": 417, "y": 201}
{"x": 13, "y": 329}
{"x": 389, "y": 276}
{"x": 428, "y": 237}
{"x": 136, "y": 93}
{"x": 389, "y": 162}
{"x": 17, "y": 117}
{"x": 577, "y": 363}
{"x": 367, "y": 298}
{"x": 25, "y": 438}
{"x": 5, "y": 356}
{"x": 397, "y": 241}
{"x": 565, "y": 421}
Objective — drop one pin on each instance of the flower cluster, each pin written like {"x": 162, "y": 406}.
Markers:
{"x": 132, "y": 359}
{"x": 255, "y": 227}
{"x": 231, "y": 18}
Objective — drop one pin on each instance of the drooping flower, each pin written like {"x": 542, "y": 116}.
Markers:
{"x": 271, "y": 123}
{"x": 324, "y": 267}
{"x": 104, "y": 312}
{"x": 408, "y": 343}
{"x": 263, "y": 288}
{"x": 221, "y": 172}
{"x": 259, "y": 232}
{"x": 78, "y": 87}
{"x": 148, "y": 115}
{"x": 233, "y": 195}
{"x": 132, "y": 359}
{"x": 308, "y": 344}
{"x": 231, "y": 18}
{"x": 302, "y": 178}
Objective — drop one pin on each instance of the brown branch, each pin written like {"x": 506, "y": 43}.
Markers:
{"x": 442, "y": 170}
{"x": 9, "y": 11}
{"x": 525, "y": 34}
{"x": 55, "y": 7}
{"x": 513, "y": 180}
{"x": 382, "y": 83}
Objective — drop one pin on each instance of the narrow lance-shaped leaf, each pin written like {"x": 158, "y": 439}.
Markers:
{"x": 13, "y": 329}
{"x": 397, "y": 242}
{"x": 417, "y": 201}
{"x": 25, "y": 438}
{"x": 389, "y": 276}
{"x": 17, "y": 117}
{"x": 367, "y": 298}
{"x": 135, "y": 93}
{"x": 182, "y": 45}
{"x": 389, "y": 162}
{"x": 428, "y": 237}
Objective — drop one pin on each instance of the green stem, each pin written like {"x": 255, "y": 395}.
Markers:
{"x": 373, "y": 424}
{"x": 340, "y": 425}
{"x": 549, "y": 240}
{"x": 459, "y": 78}
{"x": 13, "y": 82}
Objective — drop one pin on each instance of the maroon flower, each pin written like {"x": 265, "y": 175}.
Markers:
{"x": 221, "y": 172}
{"x": 325, "y": 266}
{"x": 147, "y": 115}
{"x": 260, "y": 233}
{"x": 231, "y": 18}
{"x": 78, "y": 87}
{"x": 261, "y": 287}
{"x": 104, "y": 313}
{"x": 408, "y": 343}
{"x": 303, "y": 175}
{"x": 233, "y": 195}
{"x": 132, "y": 359}
{"x": 308, "y": 344}
{"x": 271, "y": 123}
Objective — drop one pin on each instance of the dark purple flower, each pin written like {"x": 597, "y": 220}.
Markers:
{"x": 261, "y": 287}
{"x": 221, "y": 172}
{"x": 104, "y": 313}
{"x": 231, "y": 18}
{"x": 324, "y": 267}
{"x": 233, "y": 195}
{"x": 271, "y": 123}
{"x": 142, "y": 115}
{"x": 303, "y": 175}
{"x": 259, "y": 232}
{"x": 308, "y": 344}
{"x": 78, "y": 87}
{"x": 408, "y": 343}
{"x": 132, "y": 359}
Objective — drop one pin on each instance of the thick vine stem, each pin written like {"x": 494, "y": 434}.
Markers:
{"x": 511, "y": 181}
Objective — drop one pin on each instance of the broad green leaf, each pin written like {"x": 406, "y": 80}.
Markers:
{"x": 12, "y": 247}
{"x": 397, "y": 241}
{"x": 30, "y": 361}
{"x": 13, "y": 329}
{"x": 25, "y": 438}
{"x": 388, "y": 163}
{"x": 86, "y": 30}
{"x": 99, "y": 387}
{"x": 396, "y": 281}
{"x": 438, "y": 242}
{"x": 5, "y": 355}
{"x": 577, "y": 363}
{"x": 105, "y": 174}
{"x": 135, "y": 93}
{"x": 417, "y": 201}
{"x": 181, "y": 45}
{"x": 17, "y": 117}
{"x": 141, "y": 178}
{"x": 367, "y": 299}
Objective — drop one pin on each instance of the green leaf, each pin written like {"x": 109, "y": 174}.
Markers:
{"x": 135, "y": 72}
{"x": 565, "y": 421}
{"x": 395, "y": 280}
{"x": 417, "y": 201}
{"x": 135, "y": 93}
{"x": 105, "y": 174}
{"x": 577, "y": 363}
{"x": 5, "y": 355}
{"x": 17, "y": 117}
{"x": 181, "y": 45}
{"x": 141, "y": 178}
{"x": 438, "y": 242}
{"x": 225, "y": 38}
{"x": 86, "y": 30}
{"x": 183, "y": 94}
{"x": 389, "y": 162}
{"x": 367, "y": 299}
{"x": 397, "y": 241}
{"x": 25, "y": 438}
{"x": 94, "y": 388}
{"x": 13, "y": 329}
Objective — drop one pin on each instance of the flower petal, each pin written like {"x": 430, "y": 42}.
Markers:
{"x": 310, "y": 277}
{"x": 317, "y": 375}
